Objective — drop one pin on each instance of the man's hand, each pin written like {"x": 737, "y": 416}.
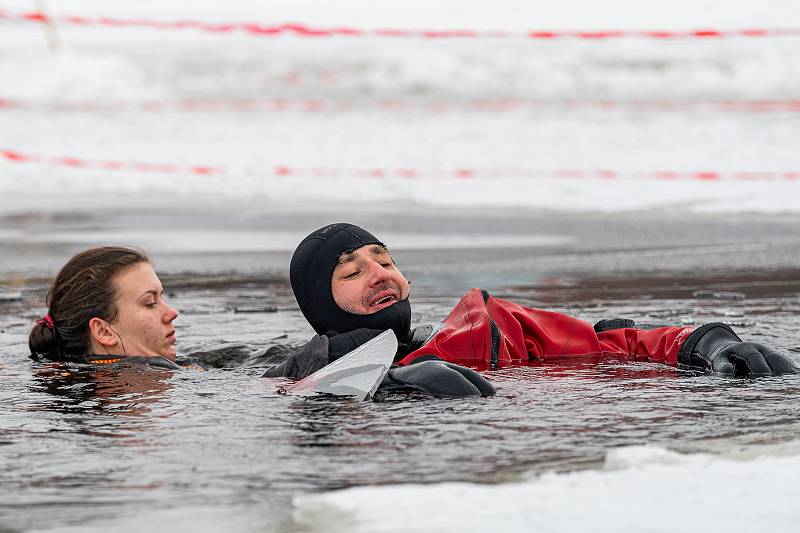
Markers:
{"x": 440, "y": 378}
{"x": 753, "y": 359}
{"x": 716, "y": 348}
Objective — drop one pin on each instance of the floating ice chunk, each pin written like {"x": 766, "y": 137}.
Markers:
{"x": 10, "y": 296}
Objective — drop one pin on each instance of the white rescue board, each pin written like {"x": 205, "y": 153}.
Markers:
{"x": 357, "y": 373}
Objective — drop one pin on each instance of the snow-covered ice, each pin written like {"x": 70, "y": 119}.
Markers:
{"x": 640, "y": 489}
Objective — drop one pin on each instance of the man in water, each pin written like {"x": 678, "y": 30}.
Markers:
{"x": 349, "y": 290}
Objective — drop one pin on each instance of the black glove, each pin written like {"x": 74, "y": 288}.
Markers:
{"x": 716, "y": 348}
{"x": 340, "y": 344}
{"x": 440, "y": 378}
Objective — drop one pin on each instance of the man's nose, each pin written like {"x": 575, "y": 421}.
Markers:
{"x": 378, "y": 274}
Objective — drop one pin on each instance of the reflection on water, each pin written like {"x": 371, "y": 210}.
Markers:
{"x": 106, "y": 444}
{"x": 120, "y": 395}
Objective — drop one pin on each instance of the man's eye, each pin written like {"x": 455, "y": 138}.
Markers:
{"x": 151, "y": 305}
{"x": 351, "y": 275}
{"x": 387, "y": 264}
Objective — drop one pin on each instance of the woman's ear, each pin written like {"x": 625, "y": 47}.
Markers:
{"x": 101, "y": 333}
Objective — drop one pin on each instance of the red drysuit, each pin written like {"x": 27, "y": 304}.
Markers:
{"x": 486, "y": 332}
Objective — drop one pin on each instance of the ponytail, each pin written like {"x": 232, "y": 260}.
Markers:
{"x": 43, "y": 339}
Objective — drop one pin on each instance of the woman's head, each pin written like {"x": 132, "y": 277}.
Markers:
{"x": 105, "y": 301}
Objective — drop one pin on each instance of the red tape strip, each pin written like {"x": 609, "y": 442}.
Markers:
{"x": 135, "y": 166}
{"x": 303, "y": 30}
{"x": 14, "y": 156}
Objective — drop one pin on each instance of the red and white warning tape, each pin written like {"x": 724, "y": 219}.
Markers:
{"x": 135, "y": 166}
{"x": 304, "y": 30}
{"x": 320, "y": 105}
{"x": 289, "y": 171}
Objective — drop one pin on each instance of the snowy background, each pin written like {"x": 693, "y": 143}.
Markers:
{"x": 568, "y": 123}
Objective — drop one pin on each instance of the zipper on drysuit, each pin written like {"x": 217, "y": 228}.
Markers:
{"x": 495, "y": 333}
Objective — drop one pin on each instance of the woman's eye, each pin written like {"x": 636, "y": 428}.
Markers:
{"x": 151, "y": 305}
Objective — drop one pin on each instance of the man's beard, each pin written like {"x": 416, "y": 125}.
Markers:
{"x": 388, "y": 285}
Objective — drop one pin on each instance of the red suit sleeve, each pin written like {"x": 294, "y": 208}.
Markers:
{"x": 486, "y": 332}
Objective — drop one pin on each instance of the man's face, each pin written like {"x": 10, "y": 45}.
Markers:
{"x": 144, "y": 320}
{"x": 366, "y": 281}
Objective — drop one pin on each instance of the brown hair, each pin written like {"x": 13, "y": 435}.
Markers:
{"x": 83, "y": 289}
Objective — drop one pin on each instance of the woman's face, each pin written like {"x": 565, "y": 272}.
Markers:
{"x": 144, "y": 320}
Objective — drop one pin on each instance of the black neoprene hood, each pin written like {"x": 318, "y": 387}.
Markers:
{"x": 311, "y": 272}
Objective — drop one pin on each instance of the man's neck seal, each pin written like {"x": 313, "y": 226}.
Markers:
{"x": 311, "y": 272}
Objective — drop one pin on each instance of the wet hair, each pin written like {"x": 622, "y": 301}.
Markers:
{"x": 83, "y": 289}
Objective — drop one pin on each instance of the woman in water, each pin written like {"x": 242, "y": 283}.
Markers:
{"x": 107, "y": 305}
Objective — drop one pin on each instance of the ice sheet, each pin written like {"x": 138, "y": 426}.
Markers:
{"x": 641, "y": 489}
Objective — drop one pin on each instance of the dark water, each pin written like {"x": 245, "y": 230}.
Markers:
{"x": 133, "y": 449}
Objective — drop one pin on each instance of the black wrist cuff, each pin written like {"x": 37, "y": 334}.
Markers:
{"x": 613, "y": 323}
{"x": 688, "y": 347}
